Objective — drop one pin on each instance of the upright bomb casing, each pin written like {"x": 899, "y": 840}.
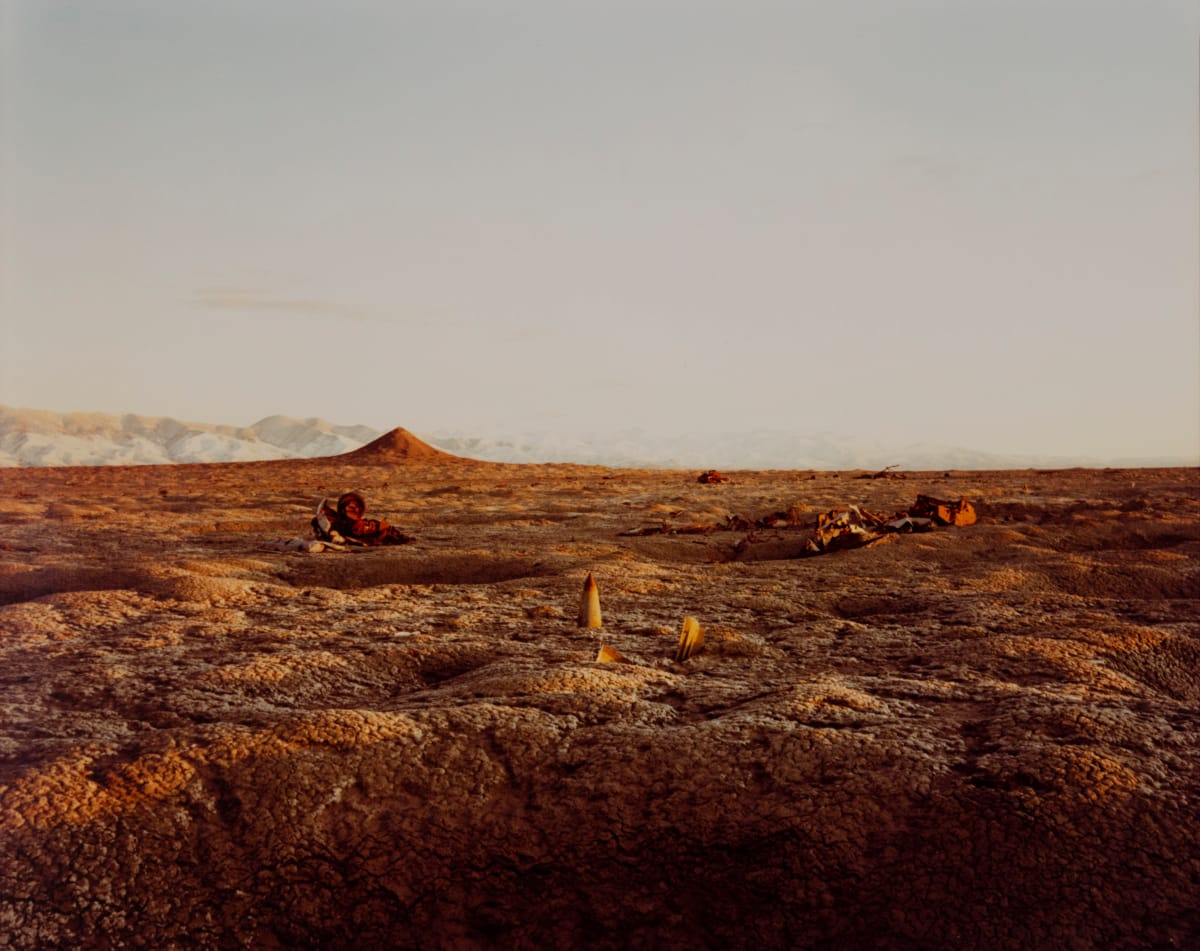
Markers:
{"x": 589, "y": 604}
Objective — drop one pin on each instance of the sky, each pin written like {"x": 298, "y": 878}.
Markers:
{"x": 973, "y": 222}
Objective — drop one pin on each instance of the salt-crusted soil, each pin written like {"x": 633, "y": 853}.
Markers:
{"x": 980, "y": 737}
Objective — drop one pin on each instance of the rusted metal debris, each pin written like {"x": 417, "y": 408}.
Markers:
{"x": 668, "y": 530}
{"x": 961, "y": 512}
{"x": 838, "y": 529}
{"x": 884, "y": 473}
{"x": 793, "y": 518}
{"x": 848, "y": 528}
{"x": 857, "y": 528}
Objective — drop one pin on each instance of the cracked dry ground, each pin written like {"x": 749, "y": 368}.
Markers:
{"x": 980, "y": 737}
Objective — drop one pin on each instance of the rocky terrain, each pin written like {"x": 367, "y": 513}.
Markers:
{"x": 976, "y": 737}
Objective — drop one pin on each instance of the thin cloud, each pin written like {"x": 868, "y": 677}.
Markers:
{"x": 242, "y": 299}
{"x": 928, "y": 169}
{"x": 524, "y": 334}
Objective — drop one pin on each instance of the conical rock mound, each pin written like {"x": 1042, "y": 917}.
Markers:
{"x": 397, "y": 446}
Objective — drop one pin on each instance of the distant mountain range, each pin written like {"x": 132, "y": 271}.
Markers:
{"x": 41, "y": 438}
{"x": 756, "y": 449}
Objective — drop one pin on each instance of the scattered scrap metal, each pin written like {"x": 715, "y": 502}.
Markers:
{"x": 855, "y": 527}
{"x": 961, "y": 512}
{"x": 792, "y": 518}
{"x": 838, "y": 529}
{"x": 885, "y": 473}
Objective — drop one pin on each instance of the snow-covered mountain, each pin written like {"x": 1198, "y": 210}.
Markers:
{"x": 40, "y": 438}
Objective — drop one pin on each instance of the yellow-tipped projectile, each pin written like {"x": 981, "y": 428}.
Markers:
{"x": 589, "y": 604}
{"x": 691, "y": 639}
{"x": 609, "y": 655}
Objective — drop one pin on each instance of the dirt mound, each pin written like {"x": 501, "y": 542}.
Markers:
{"x": 395, "y": 446}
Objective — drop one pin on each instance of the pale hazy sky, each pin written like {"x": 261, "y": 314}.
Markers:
{"x": 966, "y": 221}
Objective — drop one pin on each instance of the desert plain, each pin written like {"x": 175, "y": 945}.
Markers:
{"x": 984, "y": 736}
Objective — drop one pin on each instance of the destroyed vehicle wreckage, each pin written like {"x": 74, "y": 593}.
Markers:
{"x": 839, "y": 529}
{"x": 856, "y": 527}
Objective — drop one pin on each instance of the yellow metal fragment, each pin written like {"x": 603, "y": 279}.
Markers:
{"x": 609, "y": 655}
{"x": 691, "y": 639}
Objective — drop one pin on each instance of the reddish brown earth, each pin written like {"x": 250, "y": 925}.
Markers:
{"x": 398, "y": 445}
{"x": 980, "y": 737}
